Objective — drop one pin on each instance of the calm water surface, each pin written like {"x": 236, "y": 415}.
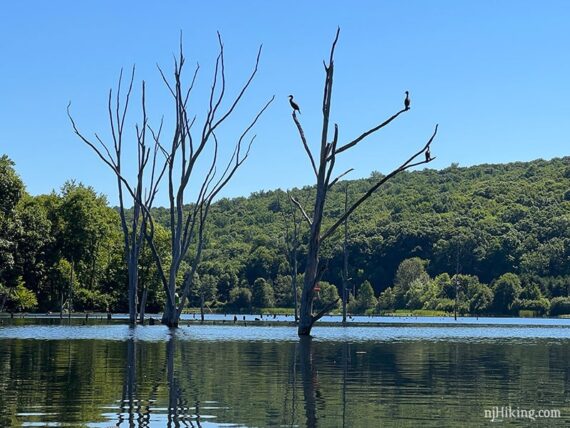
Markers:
{"x": 421, "y": 374}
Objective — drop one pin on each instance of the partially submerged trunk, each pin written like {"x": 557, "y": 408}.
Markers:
{"x": 169, "y": 316}
{"x": 323, "y": 167}
{"x": 306, "y": 318}
{"x": 4, "y": 298}
{"x": 142, "y": 309}
{"x": 294, "y": 287}
{"x": 134, "y": 233}
{"x": 345, "y": 261}
{"x": 132, "y": 290}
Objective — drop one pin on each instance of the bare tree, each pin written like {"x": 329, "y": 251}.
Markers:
{"x": 345, "y": 278}
{"x": 291, "y": 238}
{"x": 323, "y": 168}
{"x": 133, "y": 229}
{"x": 188, "y": 221}
{"x": 181, "y": 160}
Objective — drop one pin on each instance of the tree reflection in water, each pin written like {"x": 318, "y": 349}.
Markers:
{"x": 134, "y": 413}
{"x": 309, "y": 378}
{"x": 157, "y": 378}
{"x": 313, "y": 397}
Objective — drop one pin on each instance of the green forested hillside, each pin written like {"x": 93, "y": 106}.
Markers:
{"x": 483, "y": 221}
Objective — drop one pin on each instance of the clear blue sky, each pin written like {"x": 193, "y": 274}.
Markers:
{"x": 494, "y": 74}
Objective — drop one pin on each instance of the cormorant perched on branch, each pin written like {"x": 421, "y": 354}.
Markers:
{"x": 294, "y": 104}
{"x": 407, "y": 101}
{"x": 428, "y": 155}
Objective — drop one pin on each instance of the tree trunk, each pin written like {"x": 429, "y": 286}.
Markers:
{"x": 294, "y": 286}
{"x": 142, "y": 308}
{"x": 169, "y": 317}
{"x": 70, "y": 297}
{"x": 323, "y": 170}
{"x": 133, "y": 284}
{"x": 344, "y": 299}
{"x": 202, "y": 307}
{"x": 4, "y": 298}
{"x": 345, "y": 260}
{"x": 306, "y": 319}
{"x": 456, "y": 301}
{"x": 306, "y": 312}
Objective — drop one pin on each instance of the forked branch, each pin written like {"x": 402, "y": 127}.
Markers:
{"x": 406, "y": 165}
{"x": 367, "y": 133}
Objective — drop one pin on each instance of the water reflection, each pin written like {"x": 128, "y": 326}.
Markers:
{"x": 136, "y": 409}
{"x": 178, "y": 381}
{"x": 310, "y": 380}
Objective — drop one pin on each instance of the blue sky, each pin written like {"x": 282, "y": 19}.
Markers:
{"x": 494, "y": 74}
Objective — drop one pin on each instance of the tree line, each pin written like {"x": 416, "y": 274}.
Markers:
{"x": 482, "y": 239}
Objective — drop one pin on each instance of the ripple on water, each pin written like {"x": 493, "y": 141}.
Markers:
{"x": 415, "y": 375}
{"x": 199, "y": 333}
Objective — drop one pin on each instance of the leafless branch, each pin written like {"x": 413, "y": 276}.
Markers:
{"x": 367, "y": 133}
{"x": 332, "y": 183}
{"x": 298, "y": 205}
{"x": 406, "y": 165}
{"x": 332, "y": 161}
{"x": 325, "y": 310}
{"x": 305, "y": 145}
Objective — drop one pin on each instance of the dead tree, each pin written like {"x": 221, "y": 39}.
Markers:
{"x": 291, "y": 237}
{"x": 183, "y": 155}
{"x": 181, "y": 160}
{"x": 345, "y": 278}
{"x": 323, "y": 168}
{"x": 133, "y": 229}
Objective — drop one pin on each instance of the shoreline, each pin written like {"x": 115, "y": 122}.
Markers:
{"x": 252, "y": 320}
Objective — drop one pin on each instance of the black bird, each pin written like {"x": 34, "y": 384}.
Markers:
{"x": 407, "y": 101}
{"x": 428, "y": 155}
{"x": 294, "y": 104}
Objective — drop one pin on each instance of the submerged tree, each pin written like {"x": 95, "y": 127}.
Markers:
{"x": 188, "y": 222}
{"x": 345, "y": 279}
{"x": 186, "y": 165}
{"x": 134, "y": 229}
{"x": 323, "y": 168}
{"x": 291, "y": 239}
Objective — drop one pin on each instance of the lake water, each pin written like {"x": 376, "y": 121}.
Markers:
{"x": 406, "y": 374}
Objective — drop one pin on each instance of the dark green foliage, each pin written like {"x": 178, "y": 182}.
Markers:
{"x": 560, "y": 306}
{"x": 410, "y": 238}
{"x": 262, "y": 295}
{"x": 409, "y": 283}
{"x": 386, "y": 300}
{"x": 91, "y": 300}
{"x": 327, "y": 295}
{"x": 11, "y": 186}
{"x": 283, "y": 290}
{"x": 365, "y": 298}
{"x": 240, "y": 298}
{"x": 481, "y": 299}
{"x": 539, "y": 306}
{"x": 485, "y": 220}
{"x": 507, "y": 289}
